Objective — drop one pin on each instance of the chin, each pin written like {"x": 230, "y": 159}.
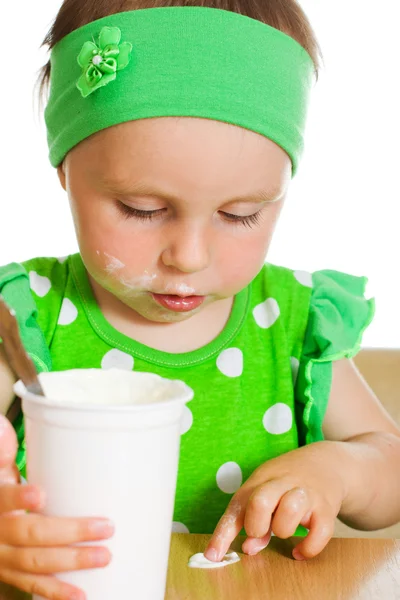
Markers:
{"x": 165, "y": 316}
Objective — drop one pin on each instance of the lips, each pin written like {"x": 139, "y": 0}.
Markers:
{"x": 178, "y": 303}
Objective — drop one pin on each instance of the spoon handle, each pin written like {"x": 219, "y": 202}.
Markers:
{"x": 20, "y": 362}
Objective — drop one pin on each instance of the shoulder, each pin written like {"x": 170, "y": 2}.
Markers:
{"x": 290, "y": 289}
{"x": 22, "y": 285}
{"x": 47, "y": 274}
{"x": 35, "y": 288}
{"x": 333, "y": 300}
{"x": 282, "y": 279}
{"x": 280, "y": 296}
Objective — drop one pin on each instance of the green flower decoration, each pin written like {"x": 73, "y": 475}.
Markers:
{"x": 101, "y": 62}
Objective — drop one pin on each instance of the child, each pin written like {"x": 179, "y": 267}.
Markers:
{"x": 175, "y": 131}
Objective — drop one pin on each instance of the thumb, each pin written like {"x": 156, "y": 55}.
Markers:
{"x": 8, "y": 443}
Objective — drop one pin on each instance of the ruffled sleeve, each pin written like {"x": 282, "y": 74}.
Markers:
{"x": 338, "y": 316}
{"x": 15, "y": 289}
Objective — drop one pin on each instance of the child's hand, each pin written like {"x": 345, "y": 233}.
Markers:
{"x": 301, "y": 487}
{"x": 32, "y": 547}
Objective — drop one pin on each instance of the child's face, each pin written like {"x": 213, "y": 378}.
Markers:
{"x": 180, "y": 239}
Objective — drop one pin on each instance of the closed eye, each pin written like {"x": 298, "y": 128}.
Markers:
{"x": 148, "y": 215}
{"x": 142, "y": 215}
{"x": 248, "y": 220}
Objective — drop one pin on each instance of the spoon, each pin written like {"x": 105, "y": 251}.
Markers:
{"x": 17, "y": 357}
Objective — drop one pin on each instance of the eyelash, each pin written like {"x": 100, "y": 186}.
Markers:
{"x": 149, "y": 215}
{"x": 247, "y": 221}
{"x": 141, "y": 215}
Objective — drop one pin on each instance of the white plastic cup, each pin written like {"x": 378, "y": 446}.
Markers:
{"x": 105, "y": 443}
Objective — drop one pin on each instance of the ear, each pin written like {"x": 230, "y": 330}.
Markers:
{"x": 61, "y": 175}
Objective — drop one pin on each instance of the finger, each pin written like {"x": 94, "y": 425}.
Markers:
{"x": 8, "y": 442}
{"x": 20, "y": 497}
{"x": 292, "y": 508}
{"x": 10, "y": 474}
{"x": 45, "y": 561}
{"x": 38, "y": 530}
{"x": 321, "y": 531}
{"x": 42, "y": 585}
{"x": 227, "y": 529}
{"x": 252, "y": 546}
{"x": 262, "y": 503}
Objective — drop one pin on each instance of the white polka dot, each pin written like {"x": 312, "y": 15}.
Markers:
{"x": 294, "y": 363}
{"x": 68, "y": 312}
{"x": 116, "y": 359}
{"x": 230, "y": 362}
{"x": 266, "y": 313}
{"x": 229, "y": 477}
{"x": 62, "y": 259}
{"x": 303, "y": 277}
{"x": 278, "y": 418}
{"x": 40, "y": 285}
{"x": 179, "y": 527}
{"x": 187, "y": 420}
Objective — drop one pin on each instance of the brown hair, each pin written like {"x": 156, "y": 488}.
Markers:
{"x": 285, "y": 15}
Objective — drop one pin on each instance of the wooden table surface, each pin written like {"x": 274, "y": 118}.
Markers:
{"x": 348, "y": 569}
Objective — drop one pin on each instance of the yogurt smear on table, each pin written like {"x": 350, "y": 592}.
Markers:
{"x": 199, "y": 561}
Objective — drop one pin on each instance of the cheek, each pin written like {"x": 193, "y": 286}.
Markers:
{"x": 106, "y": 241}
{"x": 241, "y": 260}
{"x": 119, "y": 253}
{"x": 113, "y": 249}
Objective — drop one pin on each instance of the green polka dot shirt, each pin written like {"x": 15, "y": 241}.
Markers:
{"x": 260, "y": 388}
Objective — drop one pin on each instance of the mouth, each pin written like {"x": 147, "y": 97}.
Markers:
{"x": 178, "y": 303}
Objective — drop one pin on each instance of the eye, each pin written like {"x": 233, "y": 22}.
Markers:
{"x": 142, "y": 215}
{"x": 247, "y": 221}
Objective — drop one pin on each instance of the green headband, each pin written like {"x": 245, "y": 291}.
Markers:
{"x": 178, "y": 61}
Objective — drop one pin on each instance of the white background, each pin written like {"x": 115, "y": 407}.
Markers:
{"x": 343, "y": 207}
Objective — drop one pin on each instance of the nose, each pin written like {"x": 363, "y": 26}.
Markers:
{"x": 187, "y": 249}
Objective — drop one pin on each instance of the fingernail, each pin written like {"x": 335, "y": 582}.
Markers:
{"x": 257, "y": 549}
{"x": 99, "y": 557}
{"x": 31, "y": 496}
{"x": 102, "y": 527}
{"x": 76, "y": 596}
{"x": 7, "y": 456}
{"x": 212, "y": 555}
{"x": 297, "y": 554}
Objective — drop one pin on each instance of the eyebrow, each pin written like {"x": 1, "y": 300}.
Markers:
{"x": 146, "y": 190}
